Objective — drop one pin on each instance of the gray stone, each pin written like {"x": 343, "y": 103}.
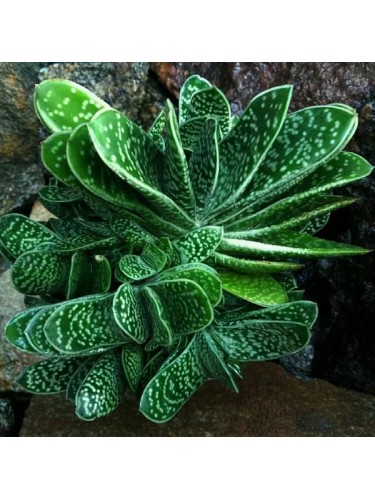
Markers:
{"x": 270, "y": 403}
{"x": 6, "y": 418}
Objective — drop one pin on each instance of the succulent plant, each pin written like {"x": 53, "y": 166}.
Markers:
{"x": 169, "y": 258}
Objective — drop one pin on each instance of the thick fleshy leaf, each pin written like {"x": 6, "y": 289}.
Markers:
{"x": 287, "y": 214}
{"x": 89, "y": 274}
{"x": 60, "y": 194}
{"x": 93, "y": 173}
{"x": 132, "y": 363}
{"x": 258, "y": 340}
{"x": 48, "y": 376}
{"x": 176, "y": 179}
{"x": 40, "y": 273}
{"x": 85, "y": 242}
{"x": 79, "y": 376}
{"x": 134, "y": 157}
{"x": 14, "y": 330}
{"x": 63, "y": 105}
{"x": 161, "y": 329}
{"x": 150, "y": 369}
{"x": 250, "y": 266}
{"x": 204, "y": 164}
{"x": 206, "y": 277}
{"x": 244, "y": 148}
{"x": 131, "y": 232}
{"x": 212, "y": 358}
{"x": 102, "y": 389}
{"x": 259, "y": 289}
{"x": 185, "y": 304}
{"x": 289, "y": 244}
{"x": 190, "y": 132}
{"x": 169, "y": 390}
{"x": 129, "y": 312}
{"x": 191, "y": 85}
{"x": 138, "y": 267}
{"x": 157, "y": 128}
{"x": 35, "y": 331}
{"x": 18, "y": 234}
{"x": 84, "y": 326}
{"x": 299, "y": 149}
{"x": 210, "y": 103}
{"x": 53, "y": 153}
{"x": 199, "y": 244}
{"x": 303, "y": 311}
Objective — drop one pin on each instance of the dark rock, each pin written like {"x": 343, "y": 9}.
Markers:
{"x": 21, "y": 178}
{"x": 6, "y": 418}
{"x": 125, "y": 86}
{"x": 270, "y": 403}
{"x": 344, "y": 338}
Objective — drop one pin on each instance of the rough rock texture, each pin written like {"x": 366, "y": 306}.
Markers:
{"x": 6, "y": 418}
{"x": 21, "y": 178}
{"x": 270, "y": 403}
{"x": 11, "y": 359}
{"x": 344, "y": 339}
{"x": 125, "y": 86}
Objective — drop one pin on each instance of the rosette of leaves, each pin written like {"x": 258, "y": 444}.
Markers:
{"x": 169, "y": 259}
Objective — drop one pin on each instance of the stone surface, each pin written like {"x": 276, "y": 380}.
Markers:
{"x": 125, "y": 86}
{"x": 6, "y": 417}
{"x": 344, "y": 338}
{"x": 21, "y": 178}
{"x": 11, "y": 359}
{"x": 270, "y": 403}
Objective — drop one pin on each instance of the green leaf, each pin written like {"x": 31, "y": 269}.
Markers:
{"x": 14, "y": 330}
{"x": 198, "y": 245}
{"x": 161, "y": 329}
{"x": 86, "y": 242}
{"x": 258, "y": 340}
{"x": 40, "y": 273}
{"x": 289, "y": 244}
{"x": 79, "y": 376}
{"x": 34, "y": 331}
{"x": 49, "y": 376}
{"x": 129, "y": 312}
{"x": 132, "y": 363}
{"x": 245, "y": 147}
{"x": 210, "y": 103}
{"x": 18, "y": 234}
{"x": 190, "y": 132}
{"x": 185, "y": 304}
{"x": 137, "y": 267}
{"x": 176, "y": 179}
{"x": 102, "y": 389}
{"x": 303, "y": 311}
{"x": 169, "y": 390}
{"x": 150, "y": 369}
{"x": 289, "y": 213}
{"x": 191, "y": 85}
{"x": 63, "y": 105}
{"x": 55, "y": 194}
{"x": 134, "y": 157}
{"x": 316, "y": 134}
{"x": 206, "y": 277}
{"x": 84, "y": 326}
{"x": 212, "y": 358}
{"x": 157, "y": 128}
{"x": 53, "y": 153}
{"x": 204, "y": 164}
{"x": 89, "y": 274}
{"x": 250, "y": 266}
{"x": 259, "y": 289}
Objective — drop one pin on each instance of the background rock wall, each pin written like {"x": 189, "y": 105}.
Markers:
{"x": 343, "y": 347}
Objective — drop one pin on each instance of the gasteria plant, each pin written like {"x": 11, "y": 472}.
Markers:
{"x": 169, "y": 259}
